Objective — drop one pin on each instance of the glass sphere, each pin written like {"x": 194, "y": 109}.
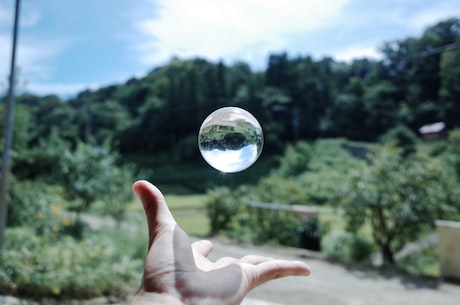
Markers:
{"x": 230, "y": 139}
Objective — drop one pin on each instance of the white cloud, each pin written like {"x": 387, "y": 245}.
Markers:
{"x": 357, "y": 51}
{"x": 230, "y": 29}
{"x": 35, "y": 55}
{"x": 61, "y": 89}
{"x": 29, "y": 15}
{"x": 5, "y": 16}
{"x": 34, "y": 59}
{"x": 437, "y": 11}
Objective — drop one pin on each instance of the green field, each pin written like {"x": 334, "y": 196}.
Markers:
{"x": 189, "y": 212}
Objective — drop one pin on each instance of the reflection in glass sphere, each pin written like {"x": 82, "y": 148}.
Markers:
{"x": 230, "y": 139}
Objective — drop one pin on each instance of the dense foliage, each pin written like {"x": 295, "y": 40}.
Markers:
{"x": 307, "y": 174}
{"x": 44, "y": 266}
{"x": 70, "y": 155}
{"x": 415, "y": 83}
{"x": 394, "y": 195}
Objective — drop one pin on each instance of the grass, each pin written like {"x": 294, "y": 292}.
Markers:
{"x": 186, "y": 202}
{"x": 189, "y": 212}
{"x": 194, "y": 222}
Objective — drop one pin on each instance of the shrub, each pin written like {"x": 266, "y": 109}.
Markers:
{"x": 361, "y": 248}
{"x": 272, "y": 227}
{"x": 295, "y": 160}
{"x": 402, "y": 137}
{"x": 81, "y": 175}
{"x": 345, "y": 246}
{"x": 34, "y": 266}
{"x": 307, "y": 175}
{"x": 40, "y": 207}
{"x": 276, "y": 189}
{"x": 221, "y": 208}
{"x": 89, "y": 173}
{"x": 336, "y": 245}
{"x": 331, "y": 154}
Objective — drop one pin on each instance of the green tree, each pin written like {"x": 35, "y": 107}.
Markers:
{"x": 450, "y": 85}
{"x": 452, "y": 153}
{"x": 89, "y": 173}
{"x": 295, "y": 160}
{"x": 49, "y": 114}
{"x": 345, "y": 117}
{"x": 400, "y": 197}
{"x": 413, "y": 66}
{"x": 402, "y": 137}
{"x": 381, "y": 102}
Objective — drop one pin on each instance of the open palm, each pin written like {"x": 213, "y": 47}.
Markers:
{"x": 179, "y": 272}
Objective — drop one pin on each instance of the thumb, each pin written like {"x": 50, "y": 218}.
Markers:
{"x": 155, "y": 207}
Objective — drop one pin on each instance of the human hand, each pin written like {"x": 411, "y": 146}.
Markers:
{"x": 178, "y": 272}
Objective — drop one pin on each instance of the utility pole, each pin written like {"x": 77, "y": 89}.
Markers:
{"x": 8, "y": 133}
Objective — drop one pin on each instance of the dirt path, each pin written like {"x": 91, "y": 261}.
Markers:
{"x": 334, "y": 284}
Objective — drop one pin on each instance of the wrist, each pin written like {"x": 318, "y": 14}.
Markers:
{"x": 153, "y": 298}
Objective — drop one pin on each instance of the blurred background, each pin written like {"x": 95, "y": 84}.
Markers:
{"x": 359, "y": 103}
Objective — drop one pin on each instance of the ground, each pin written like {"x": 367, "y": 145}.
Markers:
{"x": 329, "y": 284}
{"x": 334, "y": 283}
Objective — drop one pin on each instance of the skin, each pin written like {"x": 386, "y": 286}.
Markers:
{"x": 178, "y": 272}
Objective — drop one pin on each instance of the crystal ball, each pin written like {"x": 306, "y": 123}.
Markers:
{"x": 230, "y": 139}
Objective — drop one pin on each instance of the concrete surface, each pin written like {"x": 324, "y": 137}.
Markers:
{"x": 334, "y": 284}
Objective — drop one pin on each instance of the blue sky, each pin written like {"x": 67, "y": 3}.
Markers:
{"x": 66, "y": 46}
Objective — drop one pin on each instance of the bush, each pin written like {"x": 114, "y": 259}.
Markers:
{"x": 75, "y": 177}
{"x": 89, "y": 173}
{"x": 276, "y": 189}
{"x": 295, "y": 160}
{"x": 307, "y": 175}
{"x": 345, "y": 246}
{"x": 272, "y": 227}
{"x": 221, "y": 208}
{"x": 403, "y": 138}
{"x": 39, "y": 207}
{"x": 34, "y": 266}
{"x": 229, "y": 214}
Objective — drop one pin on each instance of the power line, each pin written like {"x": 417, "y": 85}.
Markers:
{"x": 426, "y": 53}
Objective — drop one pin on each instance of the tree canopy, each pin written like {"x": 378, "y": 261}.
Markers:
{"x": 416, "y": 82}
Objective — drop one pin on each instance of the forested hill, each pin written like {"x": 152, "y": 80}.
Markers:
{"x": 416, "y": 82}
